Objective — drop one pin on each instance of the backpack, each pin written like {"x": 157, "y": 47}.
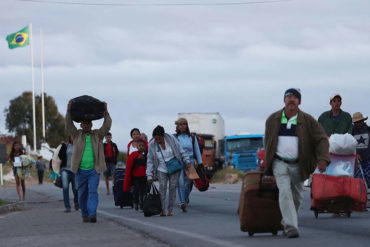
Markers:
{"x": 202, "y": 183}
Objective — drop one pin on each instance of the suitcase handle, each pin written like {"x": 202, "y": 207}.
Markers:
{"x": 271, "y": 187}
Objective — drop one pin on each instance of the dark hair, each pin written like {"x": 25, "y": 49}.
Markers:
{"x": 158, "y": 131}
{"x": 108, "y": 134}
{"x": 134, "y": 129}
{"x": 12, "y": 152}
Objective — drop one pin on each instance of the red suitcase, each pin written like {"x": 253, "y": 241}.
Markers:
{"x": 357, "y": 190}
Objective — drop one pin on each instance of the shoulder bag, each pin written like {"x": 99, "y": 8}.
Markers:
{"x": 173, "y": 165}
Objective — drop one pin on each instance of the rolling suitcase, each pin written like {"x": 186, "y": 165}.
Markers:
{"x": 121, "y": 198}
{"x": 259, "y": 209}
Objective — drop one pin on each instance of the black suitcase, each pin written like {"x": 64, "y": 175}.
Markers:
{"x": 86, "y": 108}
{"x": 121, "y": 198}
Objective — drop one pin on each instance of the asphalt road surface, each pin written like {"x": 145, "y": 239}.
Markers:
{"x": 212, "y": 220}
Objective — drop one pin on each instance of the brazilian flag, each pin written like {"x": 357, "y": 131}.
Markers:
{"x": 19, "y": 39}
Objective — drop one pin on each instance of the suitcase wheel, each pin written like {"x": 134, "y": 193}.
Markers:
{"x": 316, "y": 214}
{"x": 274, "y": 233}
{"x": 250, "y": 233}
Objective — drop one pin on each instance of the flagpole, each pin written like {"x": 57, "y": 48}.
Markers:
{"x": 33, "y": 92}
{"x": 42, "y": 86}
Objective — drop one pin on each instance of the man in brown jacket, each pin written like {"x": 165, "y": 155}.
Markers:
{"x": 88, "y": 161}
{"x": 295, "y": 143}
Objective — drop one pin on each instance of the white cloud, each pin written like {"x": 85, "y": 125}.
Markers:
{"x": 151, "y": 63}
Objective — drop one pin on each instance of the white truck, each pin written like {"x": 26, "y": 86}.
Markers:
{"x": 211, "y": 127}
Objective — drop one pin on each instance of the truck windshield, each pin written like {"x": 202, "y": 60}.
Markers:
{"x": 242, "y": 145}
{"x": 208, "y": 143}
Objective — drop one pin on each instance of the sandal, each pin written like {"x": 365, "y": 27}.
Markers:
{"x": 162, "y": 213}
{"x": 169, "y": 213}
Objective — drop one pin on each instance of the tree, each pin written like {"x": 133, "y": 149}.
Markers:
{"x": 19, "y": 119}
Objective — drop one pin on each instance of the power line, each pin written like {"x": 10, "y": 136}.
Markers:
{"x": 154, "y": 4}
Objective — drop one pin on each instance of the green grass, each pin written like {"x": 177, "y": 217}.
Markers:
{"x": 219, "y": 176}
{"x": 2, "y": 202}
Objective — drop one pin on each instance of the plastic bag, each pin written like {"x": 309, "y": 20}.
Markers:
{"x": 56, "y": 162}
{"x": 341, "y": 166}
{"x": 343, "y": 144}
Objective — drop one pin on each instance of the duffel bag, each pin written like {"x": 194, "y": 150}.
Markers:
{"x": 202, "y": 183}
{"x": 152, "y": 204}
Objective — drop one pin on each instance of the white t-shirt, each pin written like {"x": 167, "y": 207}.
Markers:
{"x": 167, "y": 155}
{"x": 132, "y": 149}
{"x": 17, "y": 162}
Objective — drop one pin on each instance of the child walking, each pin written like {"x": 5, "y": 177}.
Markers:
{"x": 135, "y": 174}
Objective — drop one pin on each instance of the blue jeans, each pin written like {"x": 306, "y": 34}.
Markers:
{"x": 88, "y": 182}
{"x": 184, "y": 188}
{"x": 69, "y": 177}
{"x": 40, "y": 174}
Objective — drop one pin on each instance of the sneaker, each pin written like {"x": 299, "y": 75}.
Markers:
{"x": 292, "y": 233}
{"x": 85, "y": 219}
{"x": 67, "y": 210}
{"x": 93, "y": 219}
{"x": 183, "y": 207}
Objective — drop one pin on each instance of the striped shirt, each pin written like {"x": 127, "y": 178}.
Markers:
{"x": 287, "y": 147}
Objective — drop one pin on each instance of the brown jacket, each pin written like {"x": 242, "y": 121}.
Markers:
{"x": 79, "y": 141}
{"x": 313, "y": 145}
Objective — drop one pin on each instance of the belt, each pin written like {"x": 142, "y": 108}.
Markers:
{"x": 285, "y": 160}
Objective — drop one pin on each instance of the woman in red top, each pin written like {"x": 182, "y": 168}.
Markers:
{"x": 135, "y": 174}
{"x": 132, "y": 145}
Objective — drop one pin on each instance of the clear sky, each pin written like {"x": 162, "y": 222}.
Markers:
{"x": 150, "y": 62}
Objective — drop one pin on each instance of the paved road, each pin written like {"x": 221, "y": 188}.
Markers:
{"x": 211, "y": 220}
{"x": 42, "y": 222}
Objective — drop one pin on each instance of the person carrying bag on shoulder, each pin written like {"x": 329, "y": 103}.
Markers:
{"x": 166, "y": 158}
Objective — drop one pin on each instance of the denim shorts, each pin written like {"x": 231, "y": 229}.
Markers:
{"x": 110, "y": 170}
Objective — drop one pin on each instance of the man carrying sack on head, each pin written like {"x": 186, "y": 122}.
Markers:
{"x": 88, "y": 161}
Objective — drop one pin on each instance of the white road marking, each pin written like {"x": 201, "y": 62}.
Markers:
{"x": 185, "y": 233}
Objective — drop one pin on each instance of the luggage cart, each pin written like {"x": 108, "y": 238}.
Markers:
{"x": 341, "y": 165}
